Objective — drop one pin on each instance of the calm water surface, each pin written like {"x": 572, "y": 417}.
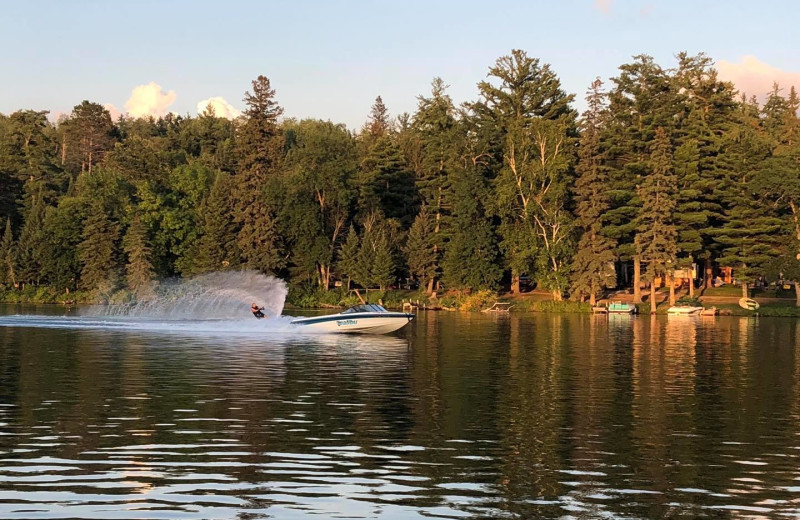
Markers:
{"x": 456, "y": 416}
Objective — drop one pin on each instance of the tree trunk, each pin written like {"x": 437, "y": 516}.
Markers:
{"x": 326, "y": 276}
{"x": 557, "y": 296}
{"x": 514, "y": 282}
{"x": 744, "y": 289}
{"x": 691, "y": 284}
{"x": 593, "y": 299}
{"x": 797, "y": 294}
{"x": 653, "y": 297}
{"x": 671, "y": 282}
{"x": 429, "y": 289}
{"x": 709, "y": 274}
{"x": 637, "y": 279}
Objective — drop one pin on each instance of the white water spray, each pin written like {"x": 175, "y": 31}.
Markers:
{"x": 220, "y": 295}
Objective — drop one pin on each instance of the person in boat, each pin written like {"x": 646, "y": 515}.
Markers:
{"x": 256, "y": 310}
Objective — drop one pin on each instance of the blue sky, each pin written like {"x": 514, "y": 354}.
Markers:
{"x": 329, "y": 59}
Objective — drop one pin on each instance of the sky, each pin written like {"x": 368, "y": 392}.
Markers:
{"x": 330, "y": 59}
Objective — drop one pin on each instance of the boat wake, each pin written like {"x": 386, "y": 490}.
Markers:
{"x": 243, "y": 327}
{"x": 220, "y": 295}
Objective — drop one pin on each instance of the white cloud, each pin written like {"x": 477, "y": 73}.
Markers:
{"x": 221, "y": 107}
{"x": 603, "y": 5}
{"x": 754, "y": 77}
{"x": 114, "y": 111}
{"x": 149, "y": 100}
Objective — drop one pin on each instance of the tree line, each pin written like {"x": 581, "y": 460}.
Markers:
{"x": 668, "y": 167}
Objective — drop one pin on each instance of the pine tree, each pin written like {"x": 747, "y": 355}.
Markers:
{"x": 63, "y": 226}
{"x": 656, "y": 236}
{"x": 386, "y": 184}
{"x": 640, "y": 102}
{"x": 98, "y": 251}
{"x": 30, "y": 243}
{"x": 215, "y": 250}
{"x": 435, "y": 132}
{"x": 259, "y": 147}
{"x": 421, "y": 248}
{"x": 471, "y": 257}
{"x": 86, "y": 137}
{"x": 706, "y": 108}
{"x": 749, "y": 235}
{"x": 379, "y": 123}
{"x": 382, "y": 266}
{"x": 593, "y": 261}
{"x": 139, "y": 269}
{"x": 348, "y": 256}
{"x": 7, "y": 254}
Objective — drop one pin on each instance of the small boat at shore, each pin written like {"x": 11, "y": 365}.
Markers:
{"x": 748, "y": 304}
{"x": 684, "y": 310}
{"x": 621, "y": 308}
{"x": 364, "y": 319}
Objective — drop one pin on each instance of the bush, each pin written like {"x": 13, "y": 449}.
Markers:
{"x": 477, "y": 301}
{"x": 686, "y": 300}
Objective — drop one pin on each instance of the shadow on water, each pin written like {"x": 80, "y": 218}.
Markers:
{"x": 457, "y": 416}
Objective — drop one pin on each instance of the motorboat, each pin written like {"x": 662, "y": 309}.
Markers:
{"x": 368, "y": 318}
{"x": 684, "y": 310}
{"x": 621, "y": 308}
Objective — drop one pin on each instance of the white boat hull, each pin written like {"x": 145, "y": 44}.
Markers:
{"x": 684, "y": 311}
{"x": 356, "y": 323}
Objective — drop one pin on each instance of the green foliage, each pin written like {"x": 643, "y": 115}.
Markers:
{"x": 592, "y": 263}
{"x": 421, "y": 248}
{"x": 139, "y": 269}
{"x": 478, "y": 300}
{"x": 259, "y": 147}
{"x": 8, "y": 255}
{"x": 656, "y": 236}
{"x": 98, "y": 252}
{"x": 688, "y": 300}
{"x": 668, "y": 165}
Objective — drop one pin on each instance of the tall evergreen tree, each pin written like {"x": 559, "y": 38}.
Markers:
{"x": 7, "y": 254}
{"x": 706, "y": 108}
{"x": 87, "y": 135}
{"x": 139, "y": 269}
{"x": 640, "y": 102}
{"x": 98, "y": 251}
{"x": 29, "y": 245}
{"x": 750, "y": 232}
{"x": 63, "y": 226}
{"x": 259, "y": 147}
{"x": 592, "y": 264}
{"x": 347, "y": 264}
{"x": 471, "y": 258}
{"x": 656, "y": 236}
{"x": 216, "y": 249}
{"x": 421, "y": 251}
{"x": 435, "y": 135}
{"x": 382, "y": 267}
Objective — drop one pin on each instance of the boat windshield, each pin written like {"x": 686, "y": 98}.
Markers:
{"x": 367, "y": 307}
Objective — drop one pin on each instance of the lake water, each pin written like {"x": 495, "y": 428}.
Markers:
{"x": 455, "y": 416}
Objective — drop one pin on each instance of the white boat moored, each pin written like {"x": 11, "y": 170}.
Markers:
{"x": 366, "y": 319}
{"x": 684, "y": 310}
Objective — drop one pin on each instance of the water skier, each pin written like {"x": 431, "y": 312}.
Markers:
{"x": 256, "y": 310}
